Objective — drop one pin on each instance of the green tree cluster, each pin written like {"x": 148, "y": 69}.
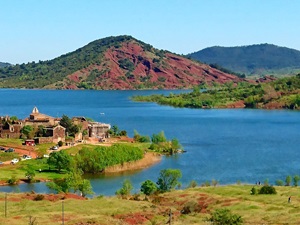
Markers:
{"x": 140, "y": 138}
{"x": 72, "y": 182}
{"x": 168, "y": 180}
{"x": 61, "y": 160}
{"x": 116, "y": 132}
{"x": 283, "y": 92}
{"x": 71, "y": 128}
{"x": 96, "y": 160}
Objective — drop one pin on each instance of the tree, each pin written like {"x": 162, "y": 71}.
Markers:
{"x": 40, "y": 131}
{"x": 123, "y": 133}
{"x": 114, "y": 131}
{"x": 126, "y": 188}
{"x": 71, "y": 129}
{"x": 296, "y": 179}
{"x": 77, "y": 183}
{"x": 13, "y": 118}
{"x": 72, "y": 182}
{"x": 158, "y": 138}
{"x": 279, "y": 182}
{"x": 60, "y": 185}
{"x": 60, "y": 160}
{"x": 168, "y": 179}
{"x": 225, "y": 217}
{"x": 148, "y": 187}
{"x": 139, "y": 138}
{"x": 288, "y": 180}
{"x": 85, "y": 187}
{"x": 193, "y": 184}
{"x": 27, "y": 131}
{"x": 66, "y": 122}
{"x": 175, "y": 145}
{"x": 30, "y": 173}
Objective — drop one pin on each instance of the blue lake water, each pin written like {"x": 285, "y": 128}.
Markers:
{"x": 227, "y": 145}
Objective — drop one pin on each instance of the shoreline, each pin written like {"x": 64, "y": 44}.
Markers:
{"x": 149, "y": 159}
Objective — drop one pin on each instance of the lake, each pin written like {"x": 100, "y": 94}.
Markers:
{"x": 227, "y": 145}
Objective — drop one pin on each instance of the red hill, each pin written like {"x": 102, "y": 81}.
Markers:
{"x": 114, "y": 63}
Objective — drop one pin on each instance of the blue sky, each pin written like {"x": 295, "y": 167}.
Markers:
{"x": 33, "y": 30}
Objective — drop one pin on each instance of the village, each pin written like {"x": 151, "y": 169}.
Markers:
{"x": 42, "y": 129}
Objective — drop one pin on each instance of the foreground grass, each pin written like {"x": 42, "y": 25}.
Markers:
{"x": 254, "y": 209}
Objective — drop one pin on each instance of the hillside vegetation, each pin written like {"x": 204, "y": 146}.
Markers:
{"x": 190, "y": 206}
{"x": 121, "y": 62}
{"x": 2, "y": 64}
{"x": 281, "y": 93}
{"x": 259, "y": 59}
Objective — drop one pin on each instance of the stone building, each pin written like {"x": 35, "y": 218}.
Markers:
{"x": 11, "y": 129}
{"x": 52, "y": 134}
{"x": 98, "y": 130}
{"x": 36, "y": 119}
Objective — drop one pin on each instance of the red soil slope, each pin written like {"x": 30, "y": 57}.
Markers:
{"x": 152, "y": 69}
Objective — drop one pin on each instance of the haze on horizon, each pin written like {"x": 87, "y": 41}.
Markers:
{"x": 43, "y": 30}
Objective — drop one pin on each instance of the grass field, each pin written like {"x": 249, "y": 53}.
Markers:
{"x": 254, "y": 209}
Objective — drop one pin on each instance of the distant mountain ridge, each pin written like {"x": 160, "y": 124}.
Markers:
{"x": 121, "y": 62}
{"x": 3, "y": 64}
{"x": 253, "y": 59}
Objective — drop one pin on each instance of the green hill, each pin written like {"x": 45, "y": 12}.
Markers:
{"x": 121, "y": 62}
{"x": 2, "y": 64}
{"x": 259, "y": 59}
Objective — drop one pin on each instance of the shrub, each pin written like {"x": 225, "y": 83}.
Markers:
{"x": 60, "y": 143}
{"x": 12, "y": 180}
{"x": 39, "y": 197}
{"x": 279, "y": 182}
{"x": 269, "y": 190}
{"x": 148, "y": 187}
{"x": 253, "y": 191}
{"x": 126, "y": 64}
{"x": 288, "y": 180}
{"x": 214, "y": 182}
{"x": 224, "y": 217}
{"x": 192, "y": 184}
{"x": 126, "y": 188}
{"x": 205, "y": 184}
{"x": 296, "y": 179}
{"x": 191, "y": 207}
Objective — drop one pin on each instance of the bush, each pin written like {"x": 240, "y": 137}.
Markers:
{"x": 148, "y": 187}
{"x": 191, "y": 207}
{"x": 12, "y": 180}
{"x": 224, "y": 217}
{"x": 214, "y": 182}
{"x": 126, "y": 188}
{"x": 192, "y": 184}
{"x": 268, "y": 190}
{"x": 288, "y": 180}
{"x": 60, "y": 143}
{"x": 279, "y": 182}
{"x": 39, "y": 197}
{"x": 253, "y": 191}
{"x": 205, "y": 184}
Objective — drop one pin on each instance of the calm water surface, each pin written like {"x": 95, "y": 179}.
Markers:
{"x": 228, "y": 145}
